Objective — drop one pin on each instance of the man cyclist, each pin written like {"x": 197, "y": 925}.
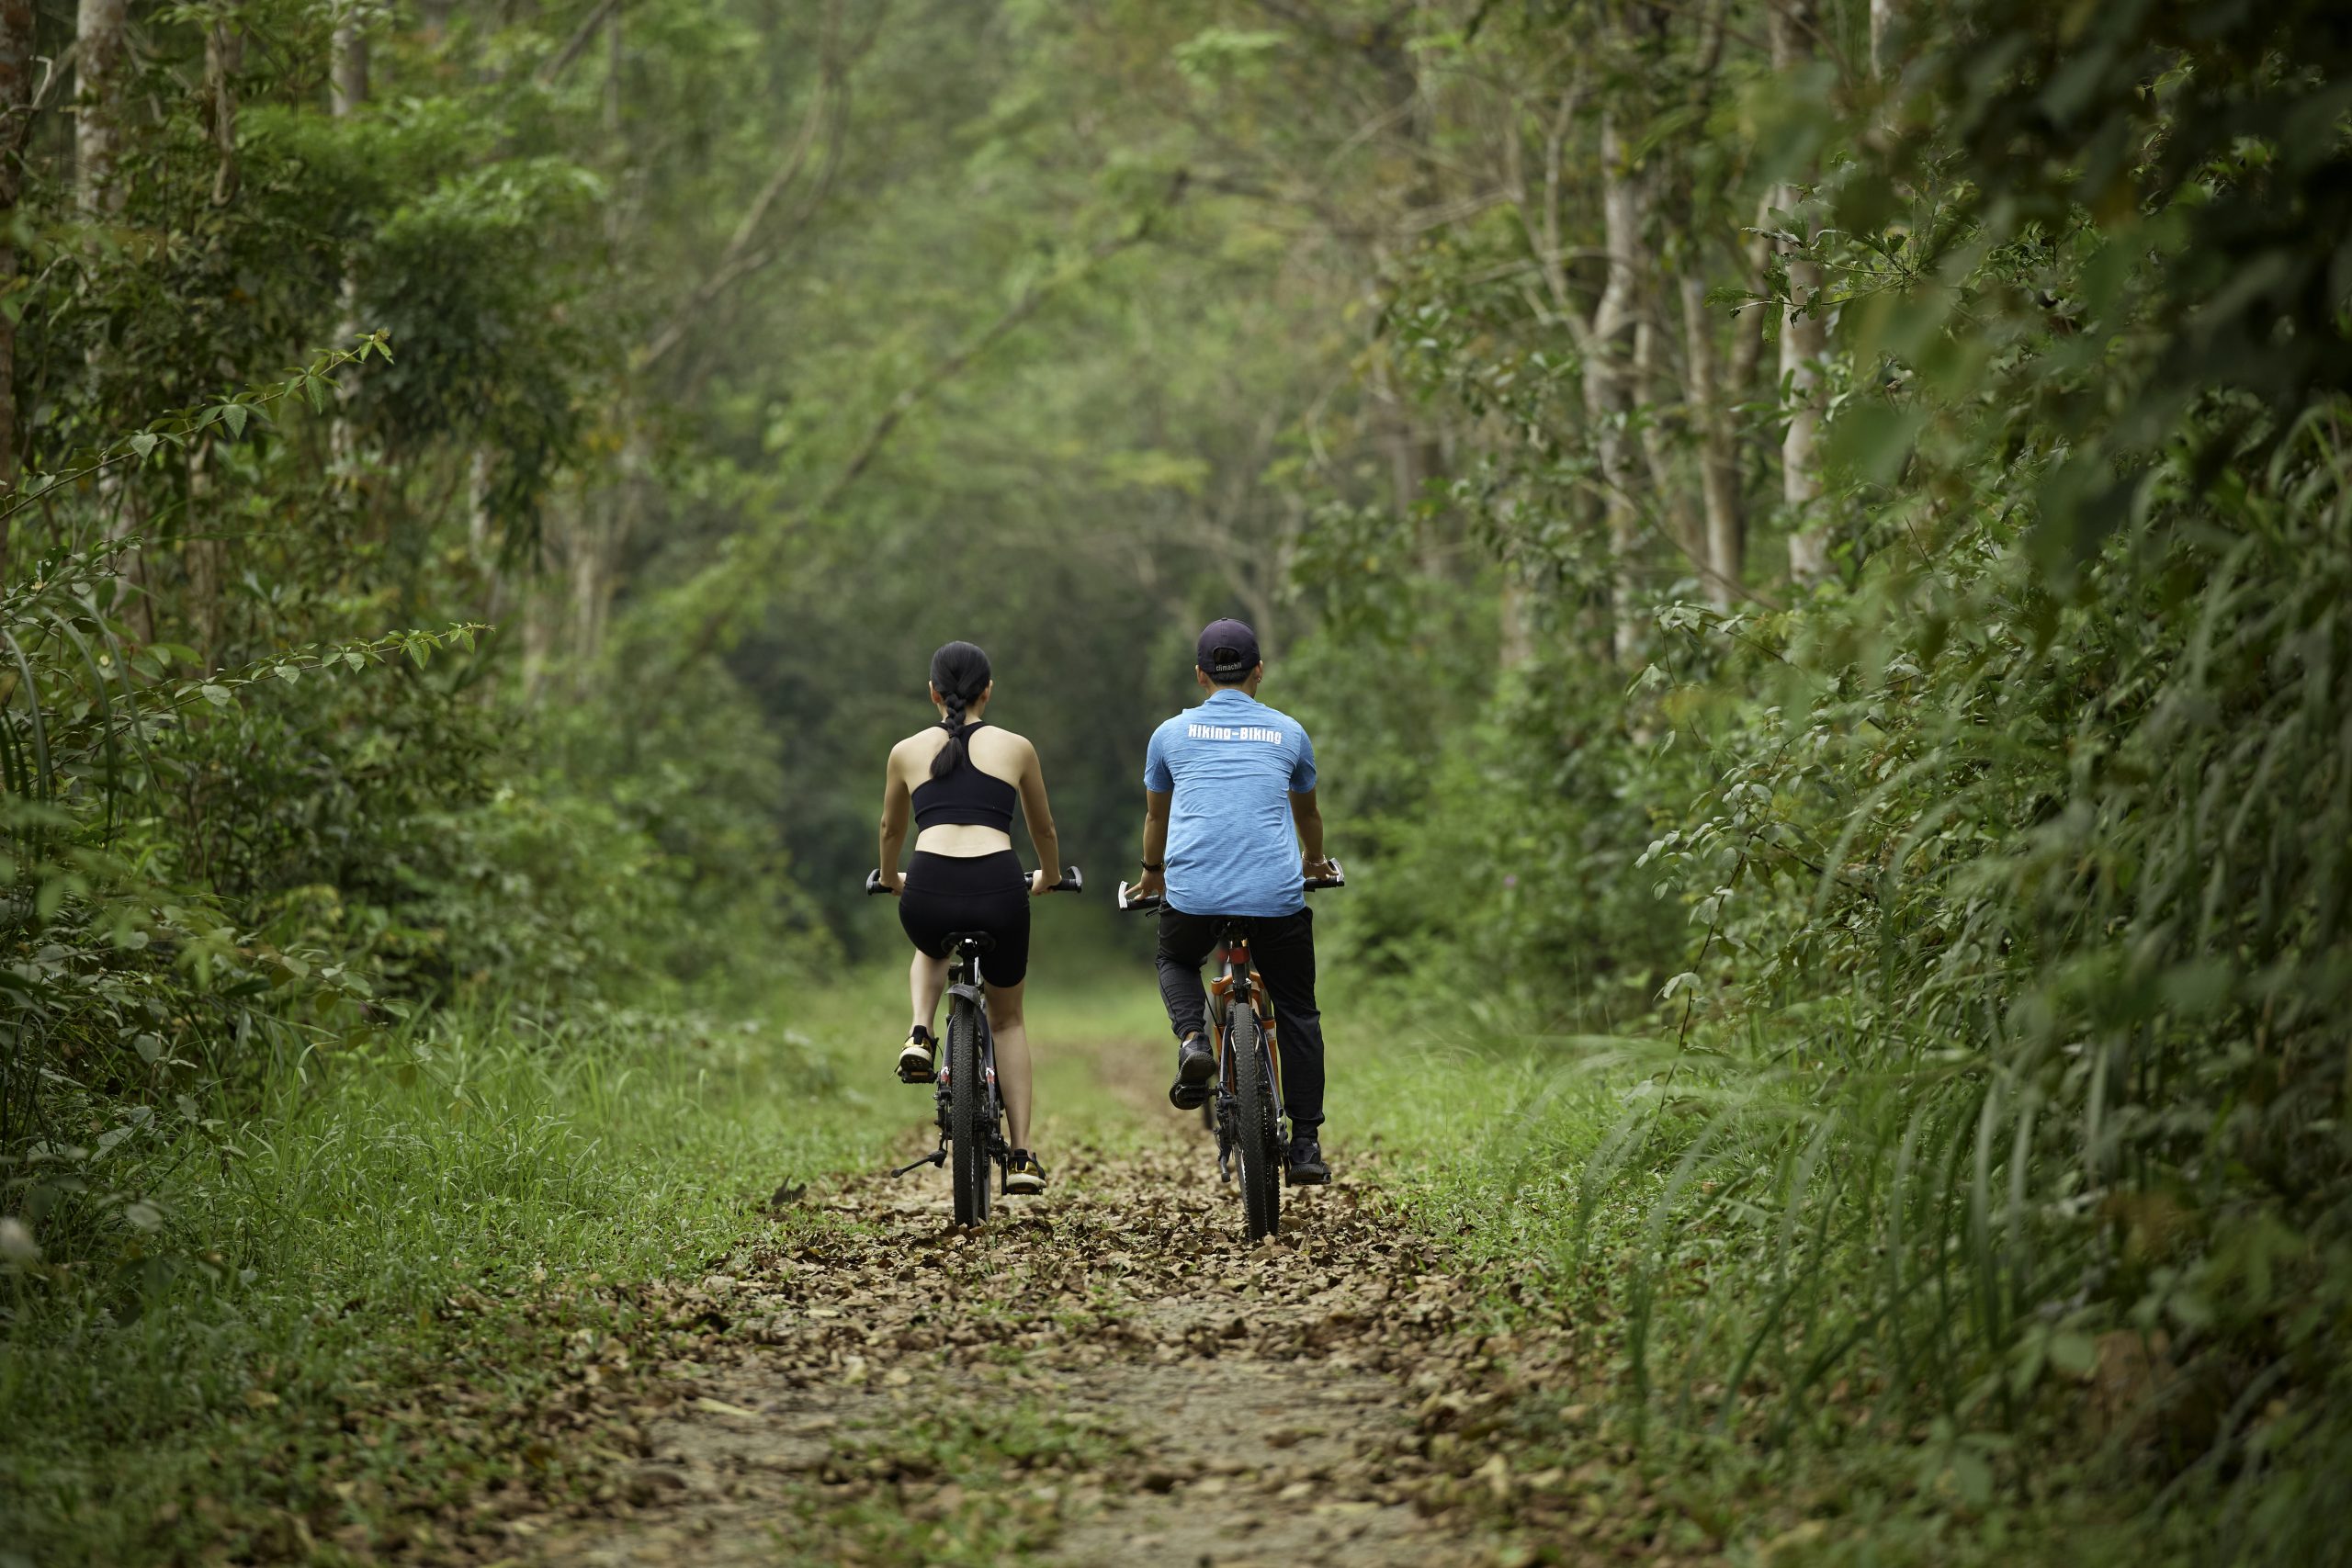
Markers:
{"x": 1229, "y": 815}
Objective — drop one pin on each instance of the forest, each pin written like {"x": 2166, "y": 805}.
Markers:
{"x": 1813, "y": 539}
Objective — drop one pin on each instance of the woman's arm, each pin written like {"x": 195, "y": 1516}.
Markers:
{"x": 897, "y": 810}
{"x": 1040, "y": 817}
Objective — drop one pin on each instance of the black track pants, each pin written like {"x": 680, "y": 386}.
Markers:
{"x": 1283, "y": 949}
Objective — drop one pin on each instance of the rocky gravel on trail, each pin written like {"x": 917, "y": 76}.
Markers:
{"x": 1109, "y": 1374}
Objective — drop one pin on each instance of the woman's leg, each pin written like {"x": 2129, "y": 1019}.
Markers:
{"x": 1011, "y": 1036}
{"x": 926, "y": 979}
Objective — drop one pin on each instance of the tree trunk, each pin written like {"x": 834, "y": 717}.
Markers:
{"x": 102, "y": 66}
{"x": 204, "y": 556}
{"x": 1882, "y": 24}
{"x": 1726, "y": 550}
{"x": 346, "y": 90}
{"x": 1650, "y": 384}
{"x": 224, "y": 57}
{"x": 102, "y": 62}
{"x": 1804, "y": 338}
{"x": 15, "y": 111}
{"x": 1607, "y": 367}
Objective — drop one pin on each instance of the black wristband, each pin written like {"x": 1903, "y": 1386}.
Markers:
{"x": 1155, "y": 865}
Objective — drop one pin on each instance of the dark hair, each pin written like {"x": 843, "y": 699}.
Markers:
{"x": 959, "y": 671}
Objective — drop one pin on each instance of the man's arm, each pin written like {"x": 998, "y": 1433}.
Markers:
{"x": 1153, "y": 883}
{"x": 1309, "y": 816}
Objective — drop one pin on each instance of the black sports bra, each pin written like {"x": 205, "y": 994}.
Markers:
{"x": 966, "y": 797}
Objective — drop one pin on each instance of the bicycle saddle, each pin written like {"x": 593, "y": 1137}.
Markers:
{"x": 986, "y": 942}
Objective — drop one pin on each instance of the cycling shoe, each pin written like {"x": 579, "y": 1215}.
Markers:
{"x": 1024, "y": 1174}
{"x": 917, "y": 1057}
{"x": 1195, "y": 1064}
{"x": 1307, "y": 1167}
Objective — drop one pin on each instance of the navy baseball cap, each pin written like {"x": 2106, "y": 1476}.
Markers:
{"x": 1227, "y": 649}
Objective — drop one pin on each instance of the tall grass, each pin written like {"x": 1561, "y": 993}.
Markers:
{"x": 306, "y": 1249}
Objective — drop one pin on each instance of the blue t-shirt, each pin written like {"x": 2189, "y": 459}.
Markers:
{"x": 1232, "y": 764}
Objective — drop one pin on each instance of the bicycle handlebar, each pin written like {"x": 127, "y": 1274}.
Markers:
{"x": 1132, "y": 903}
{"x": 1073, "y": 881}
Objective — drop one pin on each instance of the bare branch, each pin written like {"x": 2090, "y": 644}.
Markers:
{"x": 559, "y": 63}
{"x": 925, "y": 387}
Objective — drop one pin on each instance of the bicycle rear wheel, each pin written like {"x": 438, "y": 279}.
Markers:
{"x": 969, "y": 1121}
{"x": 1261, "y": 1144}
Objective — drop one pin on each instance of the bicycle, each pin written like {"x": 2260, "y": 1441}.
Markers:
{"x": 971, "y": 1126}
{"x": 1247, "y": 1106}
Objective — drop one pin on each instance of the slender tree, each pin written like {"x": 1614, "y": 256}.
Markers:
{"x": 102, "y": 64}
{"x": 1609, "y": 375}
{"x": 16, "y": 113}
{"x": 346, "y": 91}
{"x": 1804, "y": 336}
{"x": 1727, "y": 514}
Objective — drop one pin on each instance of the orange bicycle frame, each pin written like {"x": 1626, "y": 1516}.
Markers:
{"x": 1234, "y": 959}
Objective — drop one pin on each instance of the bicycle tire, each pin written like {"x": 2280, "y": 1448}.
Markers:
{"x": 1260, "y": 1146}
{"x": 968, "y": 1121}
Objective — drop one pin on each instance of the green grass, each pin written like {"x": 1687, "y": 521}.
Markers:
{"x": 311, "y": 1252}
{"x": 325, "y": 1348}
{"x": 1673, "y": 1236}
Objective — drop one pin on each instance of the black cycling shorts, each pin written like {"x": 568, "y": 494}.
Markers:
{"x": 945, "y": 894}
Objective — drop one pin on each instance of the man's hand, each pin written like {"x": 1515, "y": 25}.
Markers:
{"x": 1151, "y": 884}
{"x": 1320, "y": 870}
{"x": 892, "y": 882}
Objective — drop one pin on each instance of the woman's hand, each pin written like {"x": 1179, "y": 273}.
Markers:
{"x": 1039, "y": 887}
{"x": 892, "y": 882}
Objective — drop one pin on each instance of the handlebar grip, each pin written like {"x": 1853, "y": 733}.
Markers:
{"x": 1073, "y": 881}
{"x": 1339, "y": 878}
{"x": 1129, "y": 904}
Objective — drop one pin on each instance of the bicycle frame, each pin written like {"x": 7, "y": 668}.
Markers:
{"x": 964, "y": 981}
{"x": 1237, "y": 978}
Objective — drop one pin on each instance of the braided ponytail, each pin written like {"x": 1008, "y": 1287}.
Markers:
{"x": 959, "y": 674}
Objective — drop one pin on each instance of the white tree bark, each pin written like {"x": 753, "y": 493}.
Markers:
{"x": 1804, "y": 338}
{"x": 1726, "y": 548}
{"x": 102, "y": 63}
{"x": 1607, "y": 373}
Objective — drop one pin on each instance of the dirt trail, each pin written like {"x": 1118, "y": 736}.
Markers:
{"x": 1108, "y": 1374}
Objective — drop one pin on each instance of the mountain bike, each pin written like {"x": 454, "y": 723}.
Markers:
{"x": 1247, "y": 1105}
{"x": 971, "y": 1114}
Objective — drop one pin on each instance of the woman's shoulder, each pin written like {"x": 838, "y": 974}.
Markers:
{"x": 1008, "y": 742}
{"x": 920, "y": 746}
{"x": 1002, "y": 752}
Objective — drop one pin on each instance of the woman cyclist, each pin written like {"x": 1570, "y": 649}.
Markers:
{"x": 959, "y": 779}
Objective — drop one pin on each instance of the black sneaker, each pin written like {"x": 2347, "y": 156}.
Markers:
{"x": 1024, "y": 1174}
{"x": 1195, "y": 1064}
{"x": 917, "y": 1057}
{"x": 1307, "y": 1167}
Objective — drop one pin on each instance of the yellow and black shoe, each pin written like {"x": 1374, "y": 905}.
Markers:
{"x": 918, "y": 1056}
{"x": 1024, "y": 1174}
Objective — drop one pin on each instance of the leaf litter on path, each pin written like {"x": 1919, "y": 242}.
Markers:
{"x": 1109, "y": 1374}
